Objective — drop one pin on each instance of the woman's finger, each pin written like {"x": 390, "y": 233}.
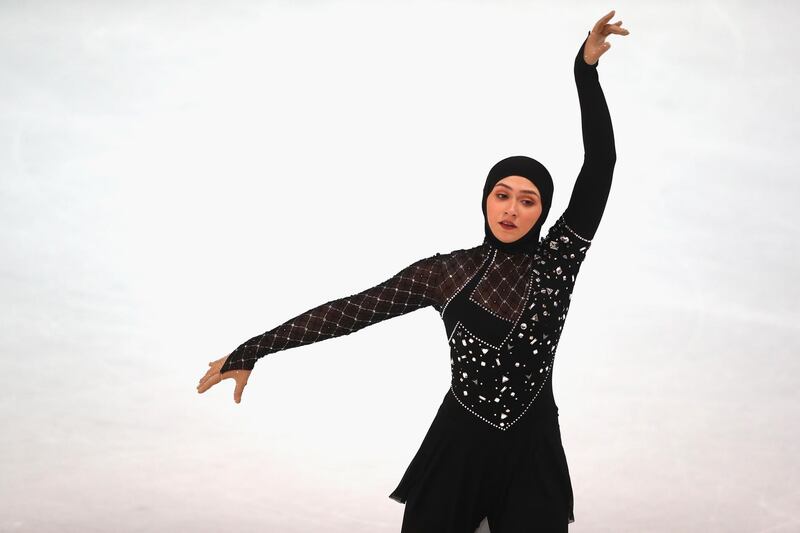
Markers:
{"x": 602, "y": 22}
{"x": 206, "y": 378}
{"x": 208, "y": 383}
{"x": 240, "y": 384}
{"x": 215, "y": 367}
{"x": 210, "y": 372}
{"x": 615, "y": 29}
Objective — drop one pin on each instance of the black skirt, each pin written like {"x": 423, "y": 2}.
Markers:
{"x": 466, "y": 470}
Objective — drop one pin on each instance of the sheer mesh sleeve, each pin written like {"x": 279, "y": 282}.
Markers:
{"x": 414, "y": 287}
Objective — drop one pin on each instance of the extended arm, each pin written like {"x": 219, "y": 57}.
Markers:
{"x": 414, "y": 287}
{"x": 590, "y": 193}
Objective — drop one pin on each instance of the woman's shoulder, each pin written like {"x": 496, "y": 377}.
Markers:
{"x": 464, "y": 260}
{"x": 562, "y": 249}
{"x": 460, "y": 254}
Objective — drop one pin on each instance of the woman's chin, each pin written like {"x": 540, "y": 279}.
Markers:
{"x": 506, "y": 237}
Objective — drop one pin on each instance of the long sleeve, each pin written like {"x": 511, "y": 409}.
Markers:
{"x": 414, "y": 287}
{"x": 590, "y": 193}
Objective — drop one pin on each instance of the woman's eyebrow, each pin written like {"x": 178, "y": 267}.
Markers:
{"x": 523, "y": 191}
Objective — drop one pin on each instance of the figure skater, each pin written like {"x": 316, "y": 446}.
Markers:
{"x": 494, "y": 447}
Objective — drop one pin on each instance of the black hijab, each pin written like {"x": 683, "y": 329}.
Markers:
{"x": 537, "y": 174}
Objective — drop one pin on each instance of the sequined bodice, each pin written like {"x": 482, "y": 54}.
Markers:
{"x": 504, "y": 325}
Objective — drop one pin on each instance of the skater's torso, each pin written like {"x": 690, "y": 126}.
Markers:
{"x": 503, "y": 315}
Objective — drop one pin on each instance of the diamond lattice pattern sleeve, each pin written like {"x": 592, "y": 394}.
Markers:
{"x": 414, "y": 287}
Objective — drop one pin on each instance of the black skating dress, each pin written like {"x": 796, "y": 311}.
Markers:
{"x": 495, "y": 438}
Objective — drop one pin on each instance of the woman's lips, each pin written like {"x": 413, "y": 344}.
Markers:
{"x": 507, "y": 226}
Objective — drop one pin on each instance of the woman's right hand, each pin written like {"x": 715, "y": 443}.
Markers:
{"x": 213, "y": 377}
{"x": 596, "y": 44}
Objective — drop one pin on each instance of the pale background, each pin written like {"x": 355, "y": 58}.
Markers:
{"x": 180, "y": 176}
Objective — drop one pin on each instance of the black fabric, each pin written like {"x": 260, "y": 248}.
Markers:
{"x": 504, "y": 311}
{"x": 467, "y": 471}
{"x": 590, "y": 192}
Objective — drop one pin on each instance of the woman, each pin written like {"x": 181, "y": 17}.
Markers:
{"x": 494, "y": 448}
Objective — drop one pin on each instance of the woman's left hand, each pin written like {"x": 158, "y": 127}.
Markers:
{"x": 596, "y": 44}
{"x": 213, "y": 376}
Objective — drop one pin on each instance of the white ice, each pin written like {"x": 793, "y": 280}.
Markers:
{"x": 176, "y": 177}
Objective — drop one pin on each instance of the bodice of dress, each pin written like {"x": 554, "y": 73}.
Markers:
{"x": 504, "y": 324}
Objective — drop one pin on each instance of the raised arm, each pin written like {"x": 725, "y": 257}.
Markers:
{"x": 590, "y": 193}
{"x": 414, "y": 287}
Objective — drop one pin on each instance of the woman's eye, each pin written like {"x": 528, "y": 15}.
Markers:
{"x": 500, "y": 194}
{"x": 530, "y": 202}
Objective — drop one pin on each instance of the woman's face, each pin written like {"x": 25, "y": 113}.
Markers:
{"x": 514, "y": 199}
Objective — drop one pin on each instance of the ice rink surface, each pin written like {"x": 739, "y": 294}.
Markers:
{"x": 177, "y": 177}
